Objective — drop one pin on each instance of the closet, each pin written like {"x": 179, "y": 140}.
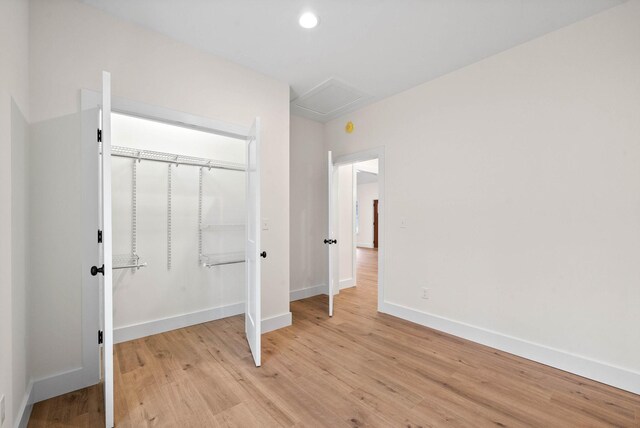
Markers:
{"x": 175, "y": 201}
{"x": 179, "y": 214}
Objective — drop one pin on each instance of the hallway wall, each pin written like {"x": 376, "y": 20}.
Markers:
{"x": 366, "y": 194}
{"x": 345, "y": 225}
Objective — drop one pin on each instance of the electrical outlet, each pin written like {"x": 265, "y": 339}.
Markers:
{"x": 265, "y": 223}
{"x": 2, "y": 411}
{"x": 425, "y": 293}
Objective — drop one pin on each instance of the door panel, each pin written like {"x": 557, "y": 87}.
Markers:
{"x": 107, "y": 256}
{"x": 252, "y": 265}
{"x": 332, "y": 232}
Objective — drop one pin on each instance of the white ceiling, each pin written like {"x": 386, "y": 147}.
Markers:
{"x": 378, "y": 47}
{"x": 370, "y": 166}
{"x": 366, "y": 178}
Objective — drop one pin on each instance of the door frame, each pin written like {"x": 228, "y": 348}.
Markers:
{"x": 365, "y": 155}
{"x": 354, "y": 226}
{"x": 89, "y": 373}
{"x": 253, "y": 325}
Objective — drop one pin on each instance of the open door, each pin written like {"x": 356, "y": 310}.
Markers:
{"x": 105, "y": 243}
{"x": 332, "y": 232}
{"x": 252, "y": 317}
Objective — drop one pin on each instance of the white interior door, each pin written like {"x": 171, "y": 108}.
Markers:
{"x": 106, "y": 308}
{"x": 252, "y": 324}
{"x": 332, "y": 232}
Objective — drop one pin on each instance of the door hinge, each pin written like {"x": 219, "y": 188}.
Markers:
{"x": 99, "y": 236}
{"x": 100, "y": 337}
{"x": 99, "y": 136}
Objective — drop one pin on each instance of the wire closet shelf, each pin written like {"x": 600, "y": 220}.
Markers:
{"x": 170, "y": 158}
{"x": 220, "y": 259}
{"x": 126, "y": 261}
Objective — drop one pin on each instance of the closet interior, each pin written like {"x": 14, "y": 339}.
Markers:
{"x": 179, "y": 214}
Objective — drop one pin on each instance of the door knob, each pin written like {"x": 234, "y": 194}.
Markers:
{"x": 96, "y": 269}
{"x": 263, "y": 254}
{"x": 335, "y": 241}
{"x": 327, "y": 241}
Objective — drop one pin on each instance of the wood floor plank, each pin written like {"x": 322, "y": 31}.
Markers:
{"x": 358, "y": 368}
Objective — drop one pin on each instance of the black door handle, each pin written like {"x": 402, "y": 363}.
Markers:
{"x": 96, "y": 269}
{"x": 330, "y": 241}
{"x": 263, "y": 254}
{"x": 335, "y": 241}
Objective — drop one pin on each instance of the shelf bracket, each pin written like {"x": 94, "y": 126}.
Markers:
{"x": 200, "y": 172}
{"x": 169, "y": 218}
{"x": 134, "y": 209}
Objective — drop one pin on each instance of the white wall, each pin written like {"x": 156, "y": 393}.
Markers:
{"x": 309, "y": 210}
{"x": 345, "y": 225}
{"x": 14, "y": 369}
{"x": 308, "y": 181}
{"x": 71, "y": 44}
{"x": 366, "y": 194}
{"x": 519, "y": 180}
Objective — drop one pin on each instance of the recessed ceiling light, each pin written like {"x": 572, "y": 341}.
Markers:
{"x": 308, "y": 20}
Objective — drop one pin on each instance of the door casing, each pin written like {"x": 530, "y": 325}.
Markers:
{"x": 351, "y": 158}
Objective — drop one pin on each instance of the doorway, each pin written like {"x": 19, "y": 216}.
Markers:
{"x": 355, "y": 245}
{"x": 99, "y": 262}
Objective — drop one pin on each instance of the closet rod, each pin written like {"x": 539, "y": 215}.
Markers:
{"x": 126, "y": 152}
{"x": 141, "y": 265}
{"x": 223, "y": 263}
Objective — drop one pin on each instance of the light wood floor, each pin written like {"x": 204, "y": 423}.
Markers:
{"x": 359, "y": 368}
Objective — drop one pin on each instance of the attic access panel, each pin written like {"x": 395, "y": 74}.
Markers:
{"x": 329, "y": 97}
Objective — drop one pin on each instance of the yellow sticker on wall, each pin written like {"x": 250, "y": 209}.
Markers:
{"x": 349, "y": 127}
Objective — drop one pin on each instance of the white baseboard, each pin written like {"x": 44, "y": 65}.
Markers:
{"x": 365, "y": 244}
{"x": 307, "y": 292}
{"x": 582, "y": 366}
{"x": 22, "y": 418}
{"x": 58, "y": 384}
{"x": 346, "y": 283}
{"x": 274, "y": 323}
{"x": 136, "y": 331}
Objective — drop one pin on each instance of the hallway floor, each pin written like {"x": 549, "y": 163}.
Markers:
{"x": 359, "y": 368}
